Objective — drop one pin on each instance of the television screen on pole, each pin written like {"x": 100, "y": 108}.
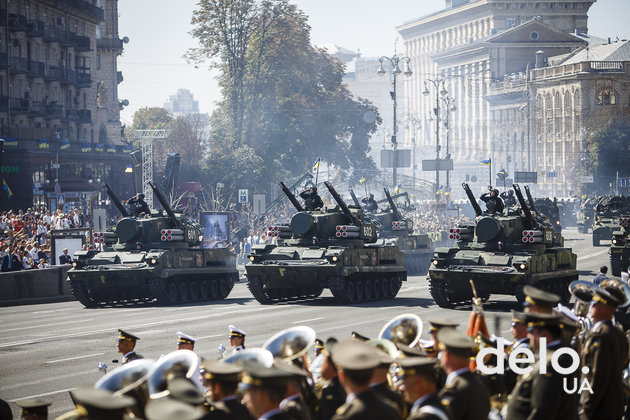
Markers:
{"x": 216, "y": 229}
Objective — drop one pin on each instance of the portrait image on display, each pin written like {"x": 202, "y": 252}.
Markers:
{"x": 215, "y": 230}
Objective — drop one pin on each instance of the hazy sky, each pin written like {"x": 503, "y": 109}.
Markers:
{"x": 158, "y": 32}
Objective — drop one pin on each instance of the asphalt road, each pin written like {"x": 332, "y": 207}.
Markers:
{"x": 48, "y": 349}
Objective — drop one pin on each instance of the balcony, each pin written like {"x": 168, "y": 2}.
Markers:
{"x": 17, "y": 23}
{"x": 81, "y": 43}
{"x": 36, "y": 28}
{"x": 19, "y": 105}
{"x": 85, "y": 7}
{"x": 53, "y": 34}
{"x": 109, "y": 44}
{"x": 85, "y": 116}
{"x": 84, "y": 78}
{"x": 18, "y": 65}
{"x": 36, "y": 68}
{"x": 68, "y": 77}
{"x": 52, "y": 111}
{"x": 52, "y": 73}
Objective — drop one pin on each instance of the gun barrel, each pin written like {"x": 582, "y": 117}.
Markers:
{"x": 473, "y": 200}
{"x": 530, "y": 199}
{"x": 341, "y": 203}
{"x": 290, "y": 196}
{"x": 392, "y": 205}
{"x": 355, "y": 199}
{"x": 521, "y": 200}
{"x": 116, "y": 201}
{"x": 164, "y": 203}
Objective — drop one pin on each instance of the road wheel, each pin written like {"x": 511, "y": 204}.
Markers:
{"x": 224, "y": 289}
{"x": 377, "y": 288}
{"x": 360, "y": 288}
{"x": 350, "y": 290}
{"x": 214, "y": 289}
{"x": 183, "y": 291}
{"x": 384, "y": 288}
{"x": 171, "y": 291}
{"x": 194, "y": 290}
{"x": 204, "y": 289}
{"x": 369, "y": 290}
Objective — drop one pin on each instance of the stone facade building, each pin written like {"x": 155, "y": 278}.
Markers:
{"x": 182, "y": 103}
{"x": 59, "y": 106}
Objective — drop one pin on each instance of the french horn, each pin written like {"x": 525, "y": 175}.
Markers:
{"x": 256, "y": 354}
{"x": 405, "y": 329}
{"x": 291, "y": 343}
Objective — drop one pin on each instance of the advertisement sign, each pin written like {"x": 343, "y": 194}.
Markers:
{"x": 216, "y": 229}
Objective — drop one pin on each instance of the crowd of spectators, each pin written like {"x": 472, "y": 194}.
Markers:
{"x": 25, "y": 236}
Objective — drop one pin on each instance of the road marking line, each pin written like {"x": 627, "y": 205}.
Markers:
{"x": 74, "y": 358}
{"x": 209, "y": 336}
{"x": 51, "y": 310}
{"x": 594, "y": 254}
{"x": 308, "y": 320}
{"x": 42, "y": 395}
{"x": 45, "y": 325}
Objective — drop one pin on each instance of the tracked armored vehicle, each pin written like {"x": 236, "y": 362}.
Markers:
{"x": 501, "y": 253}
{"x": 151, "y": 257}
{"x": 620, "y": 246}
{"x": 606, "y": 217}
{"x": 397, "y": 229}
{"x": 334, "y": 249}
{"x": 586, "y": 215}
{"x": 548, "y": 209}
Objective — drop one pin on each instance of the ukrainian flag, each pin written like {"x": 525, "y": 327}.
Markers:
{"x": 502, "y": 172}
{"x": 397, "y": 189}
{"x": 362, "y": 180}
{"x": 111, "y": 148}
{"x": 486, "y": 162}
{"x": 44, "y": 144}
{"x": 317, "y": 163}
{"x": 98, "y": 147}
{"x": 127, "y": 148}
{"x": 448, "y": 191}
{"x": 11, "y": 141}
{"x": 440, "y": 190}
{"x": 86, "y": 147}
{"x": 5, "y": 187}
{"x": 65, "y": 144}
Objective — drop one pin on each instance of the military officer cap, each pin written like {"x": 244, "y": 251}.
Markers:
{"x": 182, "y": 389}
{"x": 35, "y": 406}
{"x": 417, "y": 366}
{"x": 407, "y": 351}
{"x": 537, "y": 297}
{"x": 355, "y": 355}
{"x": 168, "y": 409}
{"x": 436, "y": 324}
{"x": 236, "y": 332}
{"x": 540, "y": 320}
{"x": 455, "y": 342}
{"x": 319, "y": 344}
{"x": 185, "y": 338}
{"x": 100, "y": 404}
{"x": 518, "y": 317}
{"x": 124, "y": 335}
{"x": 221, "y": 371}
{"x": 257, "y": 375}
{"x": 359, "y": 337}
{"x": 569, "y": 320}
{"x": 327, "y": 350}
{"x": 609, "y": 294}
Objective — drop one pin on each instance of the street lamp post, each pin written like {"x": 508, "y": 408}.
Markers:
{"x": 394, "y": 61}
{"x": 449, "y": 106}
{"x": 441, "y": 95}
{"x": 413, "y": 124}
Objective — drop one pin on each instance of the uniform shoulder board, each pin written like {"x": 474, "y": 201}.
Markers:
{"x": 429, "y": 409}
{"x": 329, "y": 397}
{"x": 342, "y": 409}
{"x": 445, "y": 401}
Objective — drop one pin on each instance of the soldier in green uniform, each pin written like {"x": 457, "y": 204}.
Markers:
{"x": 126, "y": 346}
{"x": 264, "y": 388}
{"x": 380, "y": 384}
{"x": 293, "y": 403}
{"x": 420, "y": 388}
{"x": 33, "y": 409}
{"x": 221, "y": 380}
{"x": 332, "y": 393}
{"x": 537, "y": 300}
{"x": 435, "y": 325}
{"x": 464, "y": 396}
{"x": 541, "y": 395}
{"x": 98, "y": 404}
{"x": 169, "y": 409}
{"x": 356, "y": 362}
{"x": 521, "y": 341}
{"x": 605, "y": 355}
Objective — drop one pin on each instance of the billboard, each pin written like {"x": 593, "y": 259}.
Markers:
{"x": 216, "y": 229}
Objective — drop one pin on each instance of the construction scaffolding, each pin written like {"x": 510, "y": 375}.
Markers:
{"x": 146, "y": 138}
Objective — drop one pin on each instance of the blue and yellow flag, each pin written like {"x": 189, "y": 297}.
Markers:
{"x": 5, "y": 187}
{"x": 397, "y": 189}
{"x": 362, "y": 180}
{"x": 502, "y": 172}
{"x": 44, "y": 144}
{"x": 11, "y": 141}
{"x": 486, "y": 162}
{"x": 440, "y": 190}
{"x": 127, "y": 148}
{"x": 447, "y": 191}
{"x": 86, "y": 147}
{"x": 65, "y": 144}
{"x": 98, "y": 147}
{"x": 129, "y": 169}
{"x": 317, "y": 163}
{"x": 111, "y": 148}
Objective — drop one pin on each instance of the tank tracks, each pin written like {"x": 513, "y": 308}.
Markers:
{"x": 267, "y": 295}
{"x": 92, "y": 299}
{"x": 354, "y": 290}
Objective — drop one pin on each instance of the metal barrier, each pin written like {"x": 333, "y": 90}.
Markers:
{"x": 34, "y": 286}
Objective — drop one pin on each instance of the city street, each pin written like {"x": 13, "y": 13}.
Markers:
{"x": 48, "y": 349}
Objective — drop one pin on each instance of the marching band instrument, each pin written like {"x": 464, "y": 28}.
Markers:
{"x": 583, "y": 292}
{"x": 257, "y": 354}
{"x": 124, "y": 375}
{"x": 386, "y": 346}
{"x": 405, "y": 329}
{"x": 291, "y": 343}
{"x": 179, "y": 362}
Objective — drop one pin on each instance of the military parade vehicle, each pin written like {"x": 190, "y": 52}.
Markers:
{"x": 332, "y": 248}
{"x": 607, "y": 211}
{"x": 548, "y": 209}
{"x": 397, "y": 229}
{"x": 620, "y": 246}
{"x": 568, "y": 208}
{"x": 586, "y": 214}
{"x": 501, "y": 253}
{"x": 149, "y": 257}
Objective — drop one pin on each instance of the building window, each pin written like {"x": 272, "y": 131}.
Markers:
{"x": 534, "y": 36}
{"x": 510, "y": 22}
{"x": 606, "y": 96}
{"x": 98, "y": 61}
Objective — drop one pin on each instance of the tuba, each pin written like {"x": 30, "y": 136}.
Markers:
{"x": 129, "y": 380}
{"x": 583, "y": 292}
{"x": 405, "y": 329}
{"x": 183, "y": 363}
{"x": 291, "y": 343}
{"x": 256, "y": 354}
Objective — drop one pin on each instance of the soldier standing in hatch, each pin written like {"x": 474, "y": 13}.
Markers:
{"x": 494, "y": 204}
{"x": 370, "y": 204}
{"x": 137, "y": 205}
{"x": 312, "y": 200}
{"x": 508, "y": 198}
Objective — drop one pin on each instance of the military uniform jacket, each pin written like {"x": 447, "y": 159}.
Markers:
{"x": 393, "y": 397}
{"x": 542, "y": 396}
{"x": 132, "y": 355}
{"x": 367, "y": 405}
{"x": 465, "y": 398}
{"x": 333, "y": 397}
{"x": 605, "y": 353}
{"x": 229, "y": 409}
{"x": 295, "y": 408}
{"x": 429, "y": 409}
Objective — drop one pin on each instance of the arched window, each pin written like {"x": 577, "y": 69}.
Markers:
{"x": 102, "y": 134}
{"x": 606, "y": 96}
